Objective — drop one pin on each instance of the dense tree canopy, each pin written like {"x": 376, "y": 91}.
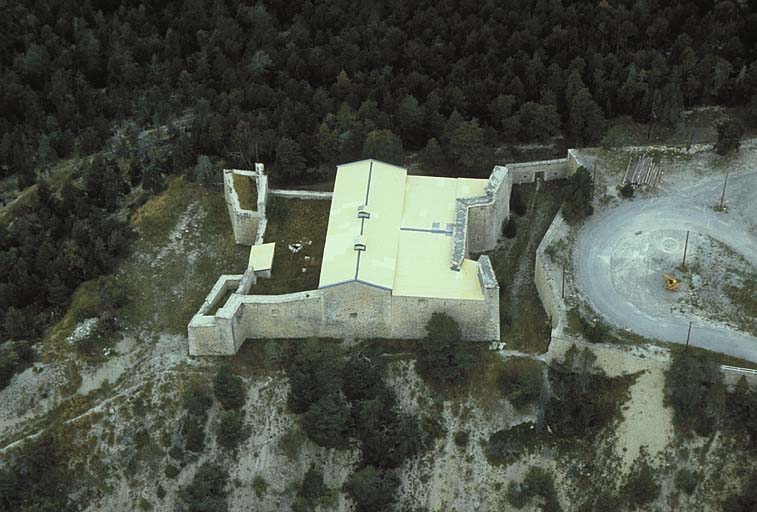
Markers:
{"x": 301, "y": 80}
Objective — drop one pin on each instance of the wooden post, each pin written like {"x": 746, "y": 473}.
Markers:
{"x": 722, "y": 196}
{"x": 563, "y": 280}
{"x": 688, "y": 336}
{"x": 685, "y": 248}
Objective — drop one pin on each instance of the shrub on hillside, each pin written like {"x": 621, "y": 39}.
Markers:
{"x": 627, "y": 190}
{"x": 327, "y": 421}
{"x": 443, "y": 359}
{"x": 694, "y": 389}
{"x": 521, "y": 381}
{"x": 372, "y": 489}
{"x": 207, "y": 491}
{"x": 641, "y": 487}
{"x": 315, "y": 372}
{"x": 229, "y": 389}
{"x": 231, "y": 429}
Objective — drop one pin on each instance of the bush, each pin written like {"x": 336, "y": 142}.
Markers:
{"x": 537, "y": 482}
{"x": 694, "y": 389}
{"x": 521, "y": 381}
{"x": 194, "y": 433}
{"x": 259, "y": 486}
{"x": 327, "y": 422}
{"x": 687, "y": 480}
{"x": 197, "y": 400}
{"x": 584, "y": 400}
{"x": 315, "y": 372}
{"x": 362, "y": 377}
{"x": 729, "y": 133}
{"x": 311, "y": 489}
{"x": 171, "y": 471}
{"x": 578, "y": 196}
{"x": 231, "y": 430}
{"x": 627, "y": 190}
{"x": 517, "y": 204}
{"x": 746, "y": 501}
{"x": 461, "y": 438}
{"x": 290, "y": 443}
{"x": 207, "y": 491}
{"x": 641, "y": 487}
{"x": 444, "y": 359}
{"x": 372, "y": 489}
{"x": 510, "y": 229}
{"x": 229, "y": 389}
{"x": 595, "y": 331}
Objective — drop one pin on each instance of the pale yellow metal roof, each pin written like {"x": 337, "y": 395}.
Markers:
{"x": 261, "y": 256}
{"x": 377, "y": 189}
{"x": 423, "y": 269}
{"x": 407, "y": 232}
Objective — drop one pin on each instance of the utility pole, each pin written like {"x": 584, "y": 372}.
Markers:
{"x": 685, "y": 247}
{"x": 688, "y": 336}
{"x": 722, "y": 196}
{"x": 594, "y": 179}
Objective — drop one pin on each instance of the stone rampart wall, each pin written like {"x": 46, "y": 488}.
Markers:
{"x": 553, "y": 170}
{"x": 548, "y": 274}
{"x": 478, "y": 220}
{"x": 244, "y": 223}
{"x": 213, "y": 334}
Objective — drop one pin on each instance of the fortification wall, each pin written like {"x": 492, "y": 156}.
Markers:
{"x": 291, "y": 315}
{"x": 476, "y": 319}
{"x": 244, "y": 223}
{"x": 478, "y": 220}
{"x": 213, "y": 334}
{"x": 545, "y": 270}
{"x": 302, "y": 194}
{"x": 357, "y": 310}
{"x": 553, "y": 170}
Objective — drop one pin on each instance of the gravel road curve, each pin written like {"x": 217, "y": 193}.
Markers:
{"x": 621, "y": 253}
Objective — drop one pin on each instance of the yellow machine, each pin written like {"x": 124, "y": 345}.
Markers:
{"x": 671, "y": 283}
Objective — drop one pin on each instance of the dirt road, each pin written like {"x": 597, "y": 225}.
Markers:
{"x": 621, "y": 253}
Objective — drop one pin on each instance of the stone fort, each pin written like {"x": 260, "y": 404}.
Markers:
{"x": 397, "y": 250}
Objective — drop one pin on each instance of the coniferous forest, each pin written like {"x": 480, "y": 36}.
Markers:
{"x": 302, "y": 85}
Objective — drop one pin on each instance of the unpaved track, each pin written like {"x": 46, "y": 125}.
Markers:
{"x": 621, "y": 253}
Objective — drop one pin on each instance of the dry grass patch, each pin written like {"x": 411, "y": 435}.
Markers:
{"x": 295, "y": 221}
{"x": 246, "y": 190}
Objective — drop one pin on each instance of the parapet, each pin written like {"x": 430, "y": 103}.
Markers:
{"x": 486, "y": 275}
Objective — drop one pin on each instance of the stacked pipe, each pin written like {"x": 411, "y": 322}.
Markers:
{"x": 642, "y": 172}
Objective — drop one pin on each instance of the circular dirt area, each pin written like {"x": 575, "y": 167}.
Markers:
{"x": 621, "y": 254}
